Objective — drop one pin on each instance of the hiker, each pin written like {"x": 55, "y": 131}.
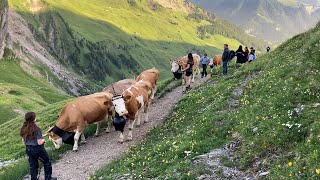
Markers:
{"x": 188, "y": 71}
{"x": 32, "y": 139}
{"x": 246, "y": 54}
{"x": 252, "y": 55}
{"x": 268, "y": 49}
{"x": 204, "y": 61}
{"x": 225, "y": 59}
{"x": 240, "y": 55}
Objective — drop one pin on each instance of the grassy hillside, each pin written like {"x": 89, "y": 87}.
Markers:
{"x": 272, "y": 137}
{"x": 21, "y": 92}
{"x": 109, "y": 40}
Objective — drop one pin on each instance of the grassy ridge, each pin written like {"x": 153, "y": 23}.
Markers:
{"x": 273, "y": 138}
{"x": 23, "y": 92}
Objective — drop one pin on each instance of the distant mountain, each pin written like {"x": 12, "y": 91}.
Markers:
{"x": 272, "y": 20}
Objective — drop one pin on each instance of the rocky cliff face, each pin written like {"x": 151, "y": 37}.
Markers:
{"x": 3, "y": 25}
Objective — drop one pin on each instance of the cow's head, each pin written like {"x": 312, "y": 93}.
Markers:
{"x": 119, "y": 103}
{"x": 174, "y": 66}
{"x": 56, "y": 140}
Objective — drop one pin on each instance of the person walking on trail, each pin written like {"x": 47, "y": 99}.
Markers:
{"x": 204, "y": 61}
{"x": 34, "y": 143}
{"x": 252, "y": 55}
{"x": 240, "y": 55}
{"x": 225, "y": 59}
{"x": 246, "y": 54}
{"x": 268, "y": 49}
{"x": 188, "y": 72}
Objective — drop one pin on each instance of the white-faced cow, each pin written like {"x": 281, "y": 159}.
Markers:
{"x": 182, "y": 62}
{"x": 151, "y": 76}
{"x": 76, "y": 115}
{"x": 116, "y": 88}
{"x": 133, "y": 100}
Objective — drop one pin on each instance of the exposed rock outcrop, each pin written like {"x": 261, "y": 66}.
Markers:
{"x": 3, "y": 25}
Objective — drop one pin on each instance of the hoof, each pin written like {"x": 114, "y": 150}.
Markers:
{"x": 138, "y": 125}
{"x": 75, "y": 150}
{"x": 96, "y": 135}
{"x": 129, "y": 139}
{"x": 83, "y": 142}
{"x": 120, "y": 141}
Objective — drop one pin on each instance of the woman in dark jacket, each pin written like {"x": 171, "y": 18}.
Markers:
{"x": 32, "y": 138}
{"x": 240, "y": 55}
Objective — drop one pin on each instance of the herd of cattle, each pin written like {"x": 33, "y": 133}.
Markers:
{"x": 127, "y": 98}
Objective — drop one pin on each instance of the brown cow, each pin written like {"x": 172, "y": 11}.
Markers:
{"x": 116, "y": 88}
{"x": 134, "y": 100}
{"x": 182, "y": 64}
{"x": 77, "y": 114}
{"x": 151, "y": 76}
{"x": 215, "y": 61}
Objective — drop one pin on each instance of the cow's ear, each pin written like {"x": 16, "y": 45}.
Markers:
{"x": 108, "y": 103}
{"x": 127, "y": 98}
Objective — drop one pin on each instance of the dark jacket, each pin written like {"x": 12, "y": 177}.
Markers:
{"x": 240, "y": 56}
{"x": 225, "y": 55}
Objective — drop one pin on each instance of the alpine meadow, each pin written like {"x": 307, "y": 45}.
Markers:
{"x": 258, "y": 121}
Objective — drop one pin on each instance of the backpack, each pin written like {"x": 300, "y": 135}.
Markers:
{"x": 232, "y": 54}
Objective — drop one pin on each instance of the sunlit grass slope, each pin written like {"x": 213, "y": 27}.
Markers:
{"x": 21, "y": 92}
{"x": 272, "y": 137}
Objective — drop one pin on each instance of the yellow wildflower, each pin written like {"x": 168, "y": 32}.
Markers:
{"x": 318, "y": 171}
{"x": 289, "y": 164}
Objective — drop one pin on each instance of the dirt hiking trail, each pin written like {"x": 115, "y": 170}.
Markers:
{"x": 101, "y": 150}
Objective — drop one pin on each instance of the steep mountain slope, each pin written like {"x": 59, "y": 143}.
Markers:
{"x": 272, "y": 20}
{"x": 102, "y": 41}
{"x": 267, "y": 114}
{"x": 3, "y": 25}
{"x": 20, "y": 92}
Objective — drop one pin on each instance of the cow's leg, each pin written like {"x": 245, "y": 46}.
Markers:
{"x": 109, "y": 119}
{"x": 193, "y": 75}
{"x": 83, "y": 139}
{"x": 131, "y": 123}
{"x": 98, "y": 128}
{"x": 146, "y": 112}
{"x": 138, "y": 120}
{"x": 121, "y": 137}
{"x": 154, "y": 92}
{"x": 76, "y": 138}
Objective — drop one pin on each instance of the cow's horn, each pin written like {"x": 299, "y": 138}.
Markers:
{"x": 49, "y": 130}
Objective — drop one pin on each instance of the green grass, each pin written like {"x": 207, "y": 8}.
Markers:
{"x": 199, "y": 123}
{"x": 22, "y": 91}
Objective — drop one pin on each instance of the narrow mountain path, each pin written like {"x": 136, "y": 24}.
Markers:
{"x": 101, "y": 150}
